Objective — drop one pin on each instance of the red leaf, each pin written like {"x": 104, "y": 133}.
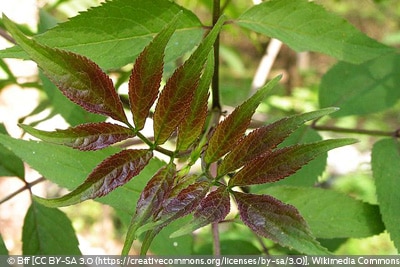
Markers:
{"x": 265, "y": 139}
{"x": 280, "y": 163}
{"x": 146, "y": 75}
{"x": 228, "y": 132}
{"x": 90, "y": 136}
{"x": 177, "y": 94}
{"x": 280, "y": 222}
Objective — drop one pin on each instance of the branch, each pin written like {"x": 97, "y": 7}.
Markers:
{"x": 25, "y": 187}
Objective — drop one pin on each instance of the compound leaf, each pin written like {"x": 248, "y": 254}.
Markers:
{"x": 79, "y": 78}
{"x": 278, "y": 164}
{"x": 144, "y": 82}
{"x": 90, "y": 136}
{"x": 212, "y": 209}
{"x": 280, "y": 222}
{"x": 386, "y": 170}
{"x": 265, "y": 139}
{"x": 10, "y": 164}
{"x": 306, "y": 26}
{"x": 178, "y": 92}
{"x": 230, "y": 130}
{"x": 113, "y": 172}
{"x": 114, "y": 33}
{"x": 48, "y": 231}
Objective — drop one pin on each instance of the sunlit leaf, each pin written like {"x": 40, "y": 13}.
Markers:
{"x": 265, "y": 139}
{"x": 212, "y": 209}
{"x": 150, "y": 201}
{"x": 386, "y": 170}
{"x": 325, "y": 217}
{"x": 144, "y": 82}
{"x": 280, "y": 222}
{"x": 306, "y": 26}
{"x": 90, "y": 136}
{"x": 113, "y": 172}
{"x": 48, "y": 231}
{"x": 192, "y": 125}
{"x": 178, "y": 92}
{"x": 79, "y": 78}
{"x": 229, "y": 131}
{"x": 278, "y": 164}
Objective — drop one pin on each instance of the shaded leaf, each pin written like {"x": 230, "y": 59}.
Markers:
{"x": 10, "y": 164}
{"x": 113, "y": 172}
{"x": 192, "y": 125}
{"x": 386, "y": 171}
{"x": 280, "y": 222}
{"x": 3, "y": 248}
{"x": 79, "y": 78}
{"x": 265, "y": 139}
{"x": 150, "y": 201}
{"x": 229, "y": 131}
{"x": 90, "y": 136}
{"x": 114, "y": 33}
{"x": 178, "y": 92}
{"x": 331, "y": 214}
{"x": 48, "y": 231}
{"x": 212, "y": 209}
{"x": 144, "y": 82}
{"x": 280, "y": 163}
{"x": 306, "y": 26}
{"x": 362, "y": 89}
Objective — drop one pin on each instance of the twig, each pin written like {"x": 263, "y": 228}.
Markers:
{"x": 216, "y": 105}
{"x": 216, "y": 241}
{"x": 25, "y": 187}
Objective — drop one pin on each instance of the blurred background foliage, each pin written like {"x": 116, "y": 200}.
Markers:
{"x": 241, "y": 52}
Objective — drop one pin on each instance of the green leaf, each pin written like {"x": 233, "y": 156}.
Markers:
{"x": 144, "y": 82}
{"x": 90, "y": 136}
{"x": 331, "y": 214}
{"x": 212, "y": 209}
{"x": 361, "y": 89}
{"x": 230, "y": 130}
{"x": 280, "y": 163}
{"x": 192, "y": 125}
{"x": 306, "y": 26}
{"x": 277, "y": 221}
{"x": 79, "y": 78}
{"x": 48, "y": 231}
{"x": 386, "y": 170}
{"x": 3, "y": 248}
{"x": 111, "y": 173}
{"x": 265, "y": 139}
{"x": 114, "y": 34}
{"x": 178, "y": 92}
{"x": 10, "y": 164}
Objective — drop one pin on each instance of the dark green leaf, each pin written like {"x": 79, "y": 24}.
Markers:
{"x": 212, "y": 209}
{"x": 280, "y": 163}
{"x": 362, "y": 89}
{"x": 230, "y": 130}
{"x": 10, "y": 164}
{"x": 90, "y": 136}
{"x": 48, "y": 231}
{"x": 231, "y": 247}
{"x": 79, "y": 78}
{"x": 386, "y": 170}
{"x": 331, "y": 214}
{"x": 3, "y": 248}
{"x": 306, "y": 26}
{"x": 114, "y": 33}
{"x": 277, "y": 221}
{"x": 144, "y": 82}
{"x": 265, "y": 139}
{"x": 111, "y": 173}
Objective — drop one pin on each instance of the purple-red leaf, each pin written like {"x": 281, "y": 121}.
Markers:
{"x": 90, "y": 136}
{"x": 280, "y": 222}
{"x": 178, "y": 92}
{"x": 78, "y": 78}
{"x": 228, "y": 132}
{"x": 146, "y": 75}
{"x": 192, "y": 125}
{"x": 265, "y": 139}
{"x": 280, "y": 163}
{"x": 212, "y": 209}
{"x": 111, "y": 173}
